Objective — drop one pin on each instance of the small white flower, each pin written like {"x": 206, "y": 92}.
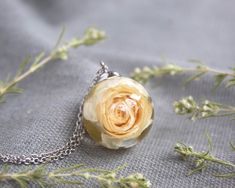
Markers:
{"x": 190, "y": 98}
{"x": 207, "y": 102}
{"x": 134, "y": 185}
{"x": 184, "y": 102}
{"x": 139, "y": 176}
{"x": 112, "y": 175}
{"x": 148, "y": 183}
{"x": 87, "y": 175}
{"x": 187, "y": 104}
{"x": 137, "y": 70}
{"x": 204, "y": 114}
{"x": 177, "y": 110}
{"x": 146, "y": 69}
{"x": 206, "y": 108}
{"x": 172, "y": 73}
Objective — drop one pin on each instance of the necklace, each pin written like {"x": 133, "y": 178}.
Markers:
{"x": 116, "y": 112}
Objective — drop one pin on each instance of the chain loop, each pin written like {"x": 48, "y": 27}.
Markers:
{"x": 74, "y": 141}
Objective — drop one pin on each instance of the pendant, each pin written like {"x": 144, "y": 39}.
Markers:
{"x": 117, "y": 112}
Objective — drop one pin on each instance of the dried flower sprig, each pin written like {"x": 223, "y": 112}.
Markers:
{"x": 202, "y": 159}
{"x": 75, "y": 175}
{"x": 10, "y": 85}
{"x": 206, "y": 109}
{"x": 145, "y": 74}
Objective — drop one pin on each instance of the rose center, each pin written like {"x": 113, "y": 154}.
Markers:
{"x": 119, "y": 113}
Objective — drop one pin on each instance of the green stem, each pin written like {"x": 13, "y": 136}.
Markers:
{"x": 208, "y": 69}
{"x": 13, "y": 176}
{"x": 91, "y": 36}
{"x": 212, "y": 159}
{"x": 201, "y": 159}
{"x": 25, "y": 74}
{"x": 221, "y": 72}
{"x": 147, "y": 73}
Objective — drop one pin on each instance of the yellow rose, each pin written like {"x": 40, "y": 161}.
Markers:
{"x": 117, "y": 112}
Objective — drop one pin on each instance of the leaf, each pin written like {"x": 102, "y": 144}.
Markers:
{"x": 233, "y": 69}
{"x": 22, "y": 66}
{"x": 219, "y": 78}
{"x": 62, "y": 170}
{"x": 198, "y": 169}
{"x": 227, "y": 175}
{"x": 1, "y": 83}
{"x": 41, "y": 184}
{"x": 22, "y": 183}
{"x": 15, "y": 89}
{"x": 2, "y": 99}
{"x": 231, "y": 83}
{"x": 196, "y": 61}
{"x": 232, "y": 146}
{"x": 59, "y": 38}
{"x": 196, "y": 76}
{"x": 5, "y": 168}
{"x": 38, "y": 58}
{"x": 209, "y": 140}
{"x": 70, "y": 182}
{"x": 63, "y": 55}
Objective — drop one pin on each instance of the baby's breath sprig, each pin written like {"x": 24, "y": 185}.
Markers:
{"x": 206, "y": 109}
{"x": 202, "y": 159}
{"x": 10, "y": 85}
{"x": 74, "y": 175}
{"x": 145, "y": 74}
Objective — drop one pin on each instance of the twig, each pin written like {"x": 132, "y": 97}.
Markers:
{"x": 201, "y": 159}
{"x": 74, "y": 175}
{"x": 206, "y": 109}
{"x": 90, "y": 37}
{"x": 145, "y": 74}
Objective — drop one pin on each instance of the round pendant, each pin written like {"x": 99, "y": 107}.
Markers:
{"x": 117, "y": 112}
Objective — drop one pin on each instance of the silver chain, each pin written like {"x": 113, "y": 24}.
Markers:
{"x": 73, "y": 142}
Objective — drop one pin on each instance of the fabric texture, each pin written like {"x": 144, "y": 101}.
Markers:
{"x": 139, "y": 33}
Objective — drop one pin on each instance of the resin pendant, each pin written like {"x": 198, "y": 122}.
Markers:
{"x": 117, "y": 112}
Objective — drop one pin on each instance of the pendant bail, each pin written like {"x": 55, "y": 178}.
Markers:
{"x": 106, "y": 73}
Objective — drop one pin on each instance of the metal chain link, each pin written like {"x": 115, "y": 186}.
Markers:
{"x": 73, "y": 142}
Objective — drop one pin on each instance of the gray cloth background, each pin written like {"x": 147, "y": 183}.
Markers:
{"x": 139, "y": 32}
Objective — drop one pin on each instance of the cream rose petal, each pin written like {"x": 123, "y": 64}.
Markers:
{"x": 118, "y": 112}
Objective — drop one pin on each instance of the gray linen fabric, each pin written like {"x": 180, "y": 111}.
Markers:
{"x": 139, "y": 32}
